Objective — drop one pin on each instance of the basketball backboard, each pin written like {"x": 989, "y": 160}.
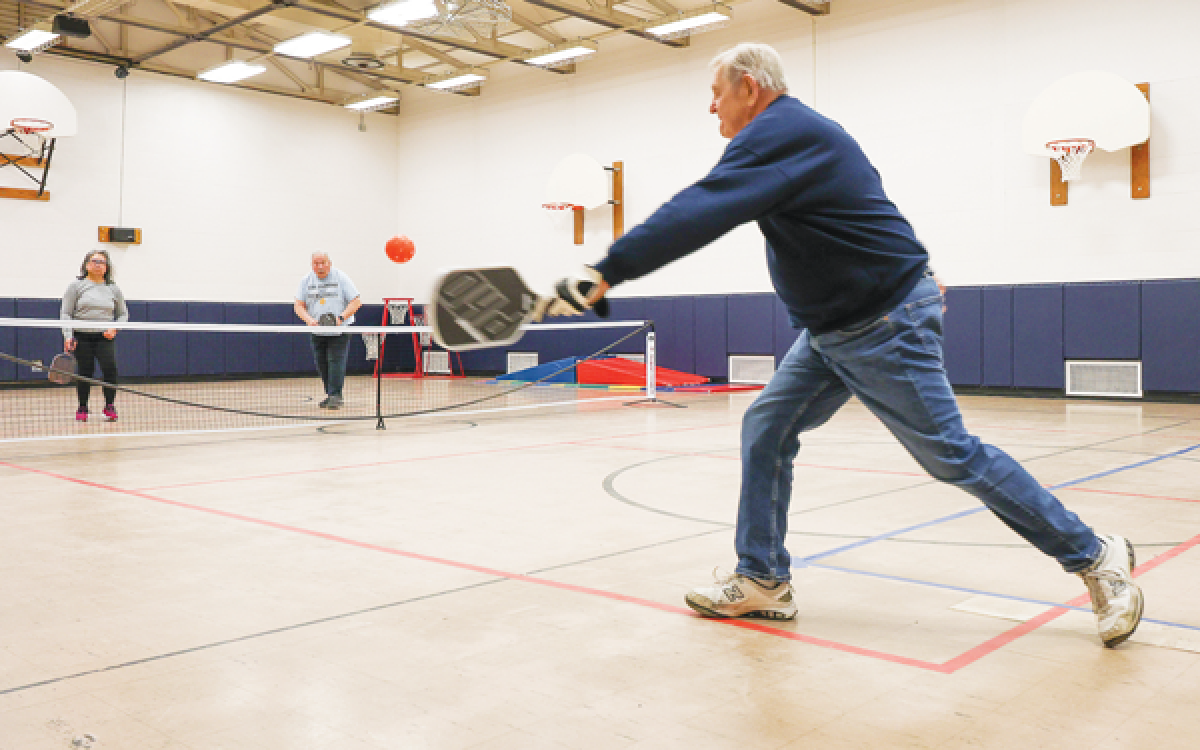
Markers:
{"x": 24, "y": 95}
{"x": 1093, "y": 105}
{"x": 579, "y": 180}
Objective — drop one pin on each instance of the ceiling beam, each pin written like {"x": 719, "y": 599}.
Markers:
{"x": 613, "y": 19}
{"x": 200, "y": 36}
{"x": 493, "y": 48}
{"x": 545, "y": 32}
{"x": 811, "y": 8}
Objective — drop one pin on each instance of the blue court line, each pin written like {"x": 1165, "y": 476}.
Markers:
{"x": 972, "y": 511}
{"x": 963, "y": 589}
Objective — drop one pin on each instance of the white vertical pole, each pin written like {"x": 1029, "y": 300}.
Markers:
{"x": 651, "y": 377}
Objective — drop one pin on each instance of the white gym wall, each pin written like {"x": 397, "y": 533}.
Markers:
{"x": 935, "y": 92}
{"x": 235, "y": 189}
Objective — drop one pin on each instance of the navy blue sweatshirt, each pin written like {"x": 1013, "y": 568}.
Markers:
{"x": 838, "y": 250}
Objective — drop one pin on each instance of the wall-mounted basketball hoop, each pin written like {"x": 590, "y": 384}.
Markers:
{"x": 33, "y": 115}
{"x": 1082, "y": 112}
{"x": 579, "y": 183}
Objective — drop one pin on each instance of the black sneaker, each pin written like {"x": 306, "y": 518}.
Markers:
{"x": 324, "y": 404}
{"x": 334, "y": 402}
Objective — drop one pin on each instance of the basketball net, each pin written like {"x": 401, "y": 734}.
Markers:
{"x": 1070, "y": 153}
{"x": 397, "y": 312}
{"x": 371, "y": 340}
{"x": 33, "y": 129}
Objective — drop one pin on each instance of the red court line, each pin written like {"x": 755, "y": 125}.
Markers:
{"x": 949, "y": 667}
{"x": 1131, "y": 494}
{"x": 484, "y": 570}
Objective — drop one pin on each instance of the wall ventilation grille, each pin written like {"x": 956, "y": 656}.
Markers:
{"x": 1096, "y": 378}
{"x": 748, "y": 369}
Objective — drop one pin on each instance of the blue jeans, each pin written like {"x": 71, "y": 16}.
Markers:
{"x": 330, "y": 353}
{"x": 893, "y": 364}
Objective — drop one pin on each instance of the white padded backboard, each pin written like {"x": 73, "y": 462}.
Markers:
{"x": 1097, "y": 105}
{"x": 26, "y": 95}
{"x": 579, "y": 180}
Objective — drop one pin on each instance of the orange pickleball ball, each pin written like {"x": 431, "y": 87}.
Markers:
{"x": 400, "y": 249}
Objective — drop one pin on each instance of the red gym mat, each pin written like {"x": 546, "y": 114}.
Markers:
{"x": 621, "y": 371}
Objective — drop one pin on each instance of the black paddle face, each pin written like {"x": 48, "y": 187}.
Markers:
{"x": 475, "y": 309}
{"x": 327, "y": 319}
{"x": 62, "y": 367}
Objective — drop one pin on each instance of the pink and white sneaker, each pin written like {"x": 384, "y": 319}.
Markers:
{"x": 81, "y": 415}
{"x": 110, "y": 413}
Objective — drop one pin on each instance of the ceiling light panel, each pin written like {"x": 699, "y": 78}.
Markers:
{"x": 312, "y": 44}
{"x": 231, "y": 72}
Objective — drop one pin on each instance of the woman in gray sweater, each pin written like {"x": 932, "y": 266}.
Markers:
{"x": 94, "y": 297}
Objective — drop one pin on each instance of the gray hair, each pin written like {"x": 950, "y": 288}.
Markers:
{"x": 321, "y": 254}
{"x": 759, "y": 61}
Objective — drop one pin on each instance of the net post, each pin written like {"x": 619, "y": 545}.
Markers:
{"x": 652, "y": 398}
{"x": 651, "y": 366}
{"x": 379, "y": 425}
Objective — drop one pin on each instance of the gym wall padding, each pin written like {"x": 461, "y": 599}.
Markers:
{"x": 1171, "y": 336}
{"x": 1102, "y": 321}
{"x": 1038, "y": 336}
{"x": 963, "y": 335}
{"x": 997, "y": 337}
{"x": 997, "y": 341}
{"x": 8, "y": 340}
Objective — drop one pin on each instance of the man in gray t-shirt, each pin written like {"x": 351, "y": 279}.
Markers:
{"x": 328, "y": 291}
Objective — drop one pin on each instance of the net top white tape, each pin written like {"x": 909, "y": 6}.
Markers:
{"x": 257, "y": 328}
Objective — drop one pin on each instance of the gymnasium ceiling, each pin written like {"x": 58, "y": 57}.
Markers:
{"x": 184, "y": 37}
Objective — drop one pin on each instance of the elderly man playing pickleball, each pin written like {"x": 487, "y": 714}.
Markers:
{"x": 327, "y": 297}
{"x": 856, "y": 281}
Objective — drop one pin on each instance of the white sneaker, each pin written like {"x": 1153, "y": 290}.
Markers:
{"x": 736, "y": 595}
{"x": 1116, "y": 599}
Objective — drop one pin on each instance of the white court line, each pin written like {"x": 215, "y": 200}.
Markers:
{"x": 322, "y": 423}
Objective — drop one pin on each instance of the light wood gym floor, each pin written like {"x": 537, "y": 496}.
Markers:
{"x": 516, "y": 580}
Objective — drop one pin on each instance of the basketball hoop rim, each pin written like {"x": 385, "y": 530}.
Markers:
{"x": 561, "y": 207}
{"x": 30, "y": 125}
{"x": 1064, "y": 144}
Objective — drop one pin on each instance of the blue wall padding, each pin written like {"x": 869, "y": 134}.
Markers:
{"x": 785, "y": 335}
{"x": 712, "y": 318}
{"x": 241, "y": 349}
{"x": 275, "y": 351}
{"x": 537, "y": 372}
{"x": 662, "y": 311}
{"x": 1038, "y": 336}
{"x": 751, "y": 327}
{"x": 166, "y": 352}
{"x": 1171, "y": 335}
{"x": 206, "y": 351}
{"x": 37, "y": 343}
{"x": 963, "y": 335}
{"x": 994, "y": 336}
{"x": 131, "y": 345}
{"x": 682, "y": 346}
{"x": 997, "y": 342}
{"x": 626, "y": 308}
{"x": 1102, "y": 321}
{"x": 8, "y": 339}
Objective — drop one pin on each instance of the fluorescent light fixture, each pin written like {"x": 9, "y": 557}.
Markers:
{"x": 458, "y": 82}
{"x": 404, "y": 12}
{"x": 692, "y": 22}
{"x": 373, "y": 103}
{"x": 34, "y": 40}
{"x": 312, "y": 44}
{"x": 231, "y": 72}
{"x": 563, "y": 54}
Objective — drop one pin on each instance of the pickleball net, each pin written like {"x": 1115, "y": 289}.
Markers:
{"x": 180, "y": 378}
